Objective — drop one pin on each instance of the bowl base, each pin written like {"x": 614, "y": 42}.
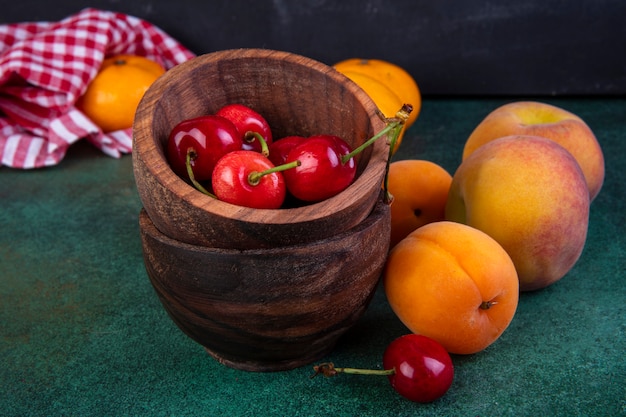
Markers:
{"x": 268, "y": 366}
{"x": 271, "y": 309}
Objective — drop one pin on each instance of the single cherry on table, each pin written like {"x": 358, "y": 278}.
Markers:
{"x": 419, "y": 368}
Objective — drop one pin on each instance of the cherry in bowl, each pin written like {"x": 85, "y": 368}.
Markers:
{"x": 323, "y": 172}
{"x": 247, "y": 120}
{"x": 197, "y": 144}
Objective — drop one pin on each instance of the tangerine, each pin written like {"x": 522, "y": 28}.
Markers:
{"x": 393, "y": 76}
{"x": 384, "y": 98}
{"x": 420, "y": 192}
{"x": 112, "y": 97}
{"x": 452, "y": 283}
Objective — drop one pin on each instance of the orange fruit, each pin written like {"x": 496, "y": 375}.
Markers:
{"x": 452, "y": 283}
{"x": 394, "y": 77}
{"x": 385, "y": 99}
{"x": 420, "y": 192}
{"x": 112, "y": 97}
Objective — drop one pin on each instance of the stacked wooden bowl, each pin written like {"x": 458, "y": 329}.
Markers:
{"x": 261, "y": 290}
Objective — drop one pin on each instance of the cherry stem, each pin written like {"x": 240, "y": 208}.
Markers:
{"x": 328, "y": 369}
{"x": 255, "y": 176}
{"x": 345, "y": 158}
{"x": 251, "y": 135}
{"x": 191, "y": 155}
{"x": 393, "y": 125}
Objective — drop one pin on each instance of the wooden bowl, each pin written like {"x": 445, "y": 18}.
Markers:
{"x": 297, "y": 95}
{"x": 268, "y": 309}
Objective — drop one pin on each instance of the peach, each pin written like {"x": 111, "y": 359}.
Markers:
{"x": 530, "y": 195}
{"x": 533, "y": 118}
{"x": 452, "y": 283}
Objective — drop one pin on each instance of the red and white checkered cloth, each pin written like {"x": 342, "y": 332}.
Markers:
{"x": 46, "y": 66}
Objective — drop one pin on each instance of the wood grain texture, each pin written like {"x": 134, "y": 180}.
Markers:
{"x": 268, "y": 309}
{"x": 297, "y": 96}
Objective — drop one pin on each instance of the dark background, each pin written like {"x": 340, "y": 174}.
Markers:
{"x": 451, "y": 47}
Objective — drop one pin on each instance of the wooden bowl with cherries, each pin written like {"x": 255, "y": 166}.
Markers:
{"x": 262, "y": 289}
{"x": 297, "y": 96}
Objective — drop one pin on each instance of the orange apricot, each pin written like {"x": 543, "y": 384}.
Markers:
{"x": 452, "y": 283}
{"x": 420, "y": 191}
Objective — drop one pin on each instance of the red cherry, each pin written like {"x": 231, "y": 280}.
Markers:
{"x": 246, "y": 120}
{"x": 249, "y": 179}
{"x": 423, "y": 368}
{"x": 279, "y": 149}
{"x": 206, "y": 139}
{"x": 418, "y": 367}
{"x": 322, "y": 173}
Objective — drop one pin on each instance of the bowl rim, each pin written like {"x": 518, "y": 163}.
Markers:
{"x": 378, "y": 213}
{"x": 144, "y": 147}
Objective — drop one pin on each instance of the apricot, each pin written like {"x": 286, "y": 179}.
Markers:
{"x": 452, "y": 283}
{"x": 420, "y": 190}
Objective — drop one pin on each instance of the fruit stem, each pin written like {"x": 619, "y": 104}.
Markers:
{"x": 255, "y": 176}
{"x": 190, "y": 155}
{"x": 486, "y": 305}
{"x": 388, "y": 197}
{"x": 328, "y": 369}
{"x": 393, "y": 125}
{"x": 345, "y": 158}
{"x": 251, "y": 135}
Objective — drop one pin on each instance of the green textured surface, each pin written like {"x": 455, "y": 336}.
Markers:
{"x": 82, "y": 332}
